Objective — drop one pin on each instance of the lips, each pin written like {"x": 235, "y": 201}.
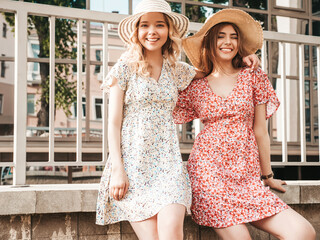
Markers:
{"x": 226, "y": 50}
{"x": 152, "y": 39}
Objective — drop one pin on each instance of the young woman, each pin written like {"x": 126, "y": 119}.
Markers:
{"x": 144, "y": 181}
{"x": 231, "y": 155}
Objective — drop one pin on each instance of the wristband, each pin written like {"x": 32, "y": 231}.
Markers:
{"x": 264, "y": 177}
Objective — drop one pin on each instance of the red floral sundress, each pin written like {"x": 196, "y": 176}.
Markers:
{"x": 224, "y": 164}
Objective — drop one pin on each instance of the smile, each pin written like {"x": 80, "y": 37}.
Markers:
{"x": 226, "y": 49}
{"x": 152, "y": 39}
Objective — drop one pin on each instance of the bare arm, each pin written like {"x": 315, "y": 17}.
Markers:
{"x": 263, "y": 141}
{"x": 252, "y": 61}
{"x": 119, "y": 181}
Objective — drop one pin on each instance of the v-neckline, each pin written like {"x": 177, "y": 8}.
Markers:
{"x": 162, "y": 67}
{"x": 230, "y": 94}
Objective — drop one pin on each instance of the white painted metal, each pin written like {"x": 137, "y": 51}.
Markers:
{"x": 318, "y": 85}
{"x": 79, "y": 90}
{"x": 264, "y": 56}
{"x": 52, "y": 88}
{"x": 302, "y": 104}
{"x": 105, "y": 98}
{"x": 283, "y": 105}
{"x": 20, "y": 97}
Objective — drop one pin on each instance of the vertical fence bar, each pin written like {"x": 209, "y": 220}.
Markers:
{"x": 283, "y": 106}
{"x": 52, "y": 88}
{"x": 79, "y": 90}
{"x": 264, "y": 56}
{"x": 318, "y": 85}
{"x": 302, "y": 104}
{"x": 20, "y": 96}
{"x": 104, "y": 95}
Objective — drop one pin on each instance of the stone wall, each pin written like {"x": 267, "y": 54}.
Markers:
{"x": 67, "y": 212}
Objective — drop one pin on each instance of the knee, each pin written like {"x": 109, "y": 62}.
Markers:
{"x": 304, "y": 231}
{"x": 171, "y": 229}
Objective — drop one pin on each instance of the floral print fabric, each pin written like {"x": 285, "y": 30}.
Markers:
{"x": 224, "y": 164}
{"x": 149, "y": 146}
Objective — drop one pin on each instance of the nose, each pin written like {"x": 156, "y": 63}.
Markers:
{"x": 151, "y": 30}
{"x": 228, "y": 40}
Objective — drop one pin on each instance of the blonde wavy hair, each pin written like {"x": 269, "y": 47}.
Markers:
{"x": 135, "y": 51}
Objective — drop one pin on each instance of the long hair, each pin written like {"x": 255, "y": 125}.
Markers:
{"x": 135, "y": 52}
{"x": 208, "y": 54}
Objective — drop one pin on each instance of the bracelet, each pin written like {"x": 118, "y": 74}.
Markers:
{"x": 264, "y": 177}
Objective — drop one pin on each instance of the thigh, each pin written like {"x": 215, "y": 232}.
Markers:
{"x": 170, "y": 221}
{"x": 146, "y": 229}
{"x": 287, "y": 224}
{"x": 235, "y": 232}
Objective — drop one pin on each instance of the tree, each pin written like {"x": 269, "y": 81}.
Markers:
{"x": 65, "y": 90}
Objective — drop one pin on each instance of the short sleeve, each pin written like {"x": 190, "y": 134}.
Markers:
{"x": 184, "y": 111}
{"x": 263, "y": 93}
{"x": 120, "y": 72}
{"x": 184, "y": 74}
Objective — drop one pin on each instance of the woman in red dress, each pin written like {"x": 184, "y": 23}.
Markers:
{"x": 231, "y": 155}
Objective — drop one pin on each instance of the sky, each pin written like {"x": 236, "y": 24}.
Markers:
{"x": 112, "y": 5}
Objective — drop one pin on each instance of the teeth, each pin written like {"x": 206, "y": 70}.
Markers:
{"x": 152, "y": 40}
{"x": 226, "y": 49}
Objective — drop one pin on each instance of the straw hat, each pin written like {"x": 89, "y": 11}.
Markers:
{"x": 250, "y": 30}
{"x": 128, "y": 24}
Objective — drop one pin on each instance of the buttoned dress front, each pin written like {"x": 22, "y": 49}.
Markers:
{"x": 224, "y": 164}
{"x": 149, "y": 146}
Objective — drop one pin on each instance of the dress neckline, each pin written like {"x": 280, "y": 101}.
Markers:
{"x": 230, "y": 94}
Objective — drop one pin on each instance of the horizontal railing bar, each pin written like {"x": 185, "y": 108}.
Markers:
{"x": 291, "y": 38}
{"x": 295, "y": 163}
{"x": 7, "y": 164}
{"x": 44, "y": 164}
{"x": 61, "y": 12}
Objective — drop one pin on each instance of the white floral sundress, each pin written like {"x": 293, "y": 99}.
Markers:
{"x": 149, "y": 146}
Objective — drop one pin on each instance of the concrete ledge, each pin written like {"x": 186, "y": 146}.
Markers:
{"x": 68, "y": 198}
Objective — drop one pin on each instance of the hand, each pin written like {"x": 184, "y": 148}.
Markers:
{"x": 119, "y": 183}
{"x": 275, "y": 184}
{"x": 252, "y": 61}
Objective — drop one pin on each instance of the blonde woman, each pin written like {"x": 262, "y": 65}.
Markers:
{"x": 229, "y": 165}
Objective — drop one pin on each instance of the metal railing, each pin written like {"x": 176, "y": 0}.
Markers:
{"x": 22, "y": 10}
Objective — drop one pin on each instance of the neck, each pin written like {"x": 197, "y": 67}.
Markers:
{"x": 224, "y": 68}
{"x": 154, "y": 57}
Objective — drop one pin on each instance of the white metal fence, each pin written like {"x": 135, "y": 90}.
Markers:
{"x": 22, "y": 10}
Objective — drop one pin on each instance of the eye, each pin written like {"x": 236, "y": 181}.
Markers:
{"x": 160, "y": 25}
{"x": 143, "y": 25}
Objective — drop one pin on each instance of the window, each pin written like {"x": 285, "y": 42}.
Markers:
{"x": 98, "y": 58}
{"x": 1, "y": 103}
{"x": 3, "y": 68}
{"x": 98, "y": 108}
{"x": 30, "y": 104}
{"x": 4, "y": 30}
{"x": 83, "y": 108}
{"x": 35, "y": 51}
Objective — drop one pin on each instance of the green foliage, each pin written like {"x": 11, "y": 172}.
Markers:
{"x": 65, "y": 90}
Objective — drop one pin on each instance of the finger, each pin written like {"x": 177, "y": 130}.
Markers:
{"x": 126, "y": 189}
{"x": 283, "y": 183}
{"x": 247, "y": 61}
{"x": 111, "y": 191}
{"x": 121, "y": 193}
{"x": 116, "y": 194}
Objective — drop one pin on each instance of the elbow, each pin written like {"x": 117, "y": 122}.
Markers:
{"x": 260, "y": 133}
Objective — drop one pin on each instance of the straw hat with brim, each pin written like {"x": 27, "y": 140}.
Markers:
{"x": 250, "y": 30}
{"x": 128, "y": 24}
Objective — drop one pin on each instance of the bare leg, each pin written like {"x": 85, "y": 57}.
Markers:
{"x": 235, "y": 232}
{"x": 288, "y": 225}
{"x": 170, "y": 222}
{"x": 147, "y": 229}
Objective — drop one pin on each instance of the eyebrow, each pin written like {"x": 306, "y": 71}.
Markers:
{"x": 225, "y": 33}
{"x": 156, "y": 21}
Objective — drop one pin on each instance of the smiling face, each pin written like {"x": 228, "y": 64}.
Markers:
{"x": 152, "y": 31}
{"x": 227, "y": 43}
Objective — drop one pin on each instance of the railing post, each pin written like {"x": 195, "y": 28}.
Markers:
{"x": 20, "y": 97}
{"x": 283, "y": 106}
{"x": 52, "y": 88}
{"x": 79, "y": 91}
{"x": 104, "y": 95}
{"x": 302, "y": 104}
